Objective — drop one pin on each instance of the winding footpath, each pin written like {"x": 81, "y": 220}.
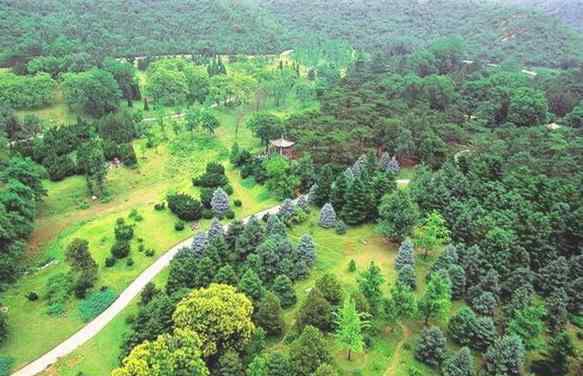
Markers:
{"x": 125, "y": 298}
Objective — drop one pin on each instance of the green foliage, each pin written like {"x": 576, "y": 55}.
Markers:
{"x": 431, "y": 347}
{"x": 96, "y": 303}
{"x": 26, "y": 91}
{"x": 398, "y": 215}
{"x": 184, "y": 206}
{"x": 369, "y": 283}
{"x": 315, "y": 311}
{"x": 94, "y": 92}
{"x": 436, "y": 300}
{"x": 309, "y": 352}
{"x": 460, "y": 364}
{"x": 331, "y": 289}
{"x": 505, "y": 357}
{"x": 350, "y": 324}
{"x": 269, "y": 315}
{"x": 6, "y": 363}
{"x": 283, "y": 288}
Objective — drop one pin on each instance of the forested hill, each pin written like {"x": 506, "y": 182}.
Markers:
{"x": 570, "y": 11}
{"x": 150, "y": 27}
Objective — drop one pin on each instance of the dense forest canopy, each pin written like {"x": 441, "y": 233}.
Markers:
{"x": 492, "y": 31}
{"x": 570, "y": 11}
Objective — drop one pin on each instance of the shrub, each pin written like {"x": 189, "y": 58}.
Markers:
{"x": 228, "y": 188}
{"x": 206, "y": 196}
{"x": 230, "y": 214}
{"x": 120, "y": 249}
{"x": 110, "y": 262}
{"x": 352, "y": 266}
{"x": 32, "y": 296}
{"x": 123, "y": 231}
{"x": 130, "y": 262}
{"x": 135, "y": 215}
{"x": 160, "y": 206}
{"x": 179, "y": 226}
{"x": 184, "y": 206}
{"x": 95, "y": 304}
{"x": 340, "y": 227}
{"x": 237, "y": 203}
{"x": 150, "y": 252}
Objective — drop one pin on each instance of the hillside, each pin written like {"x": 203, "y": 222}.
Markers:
{"x": 570, "y": 11}
{"x": 142, "y": 27}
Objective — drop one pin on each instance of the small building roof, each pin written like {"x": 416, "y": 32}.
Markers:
{"x": 282, "y": 143}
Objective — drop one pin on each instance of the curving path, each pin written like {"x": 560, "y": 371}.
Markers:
{"x": 95, "y": 326}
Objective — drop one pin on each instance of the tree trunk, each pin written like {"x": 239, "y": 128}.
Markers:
{"x": 349, "y": 354}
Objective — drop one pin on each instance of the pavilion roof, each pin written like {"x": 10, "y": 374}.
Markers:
{"x": 282, "y": 143}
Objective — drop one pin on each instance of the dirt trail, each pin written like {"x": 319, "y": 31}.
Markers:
{"x": 395, "y": 360}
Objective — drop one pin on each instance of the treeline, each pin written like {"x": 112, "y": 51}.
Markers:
{"x": 74, "y": 33}
{"x": 423, "y": 104}
{"x": 84, "y": 148}
{"x": 26, "y": 92}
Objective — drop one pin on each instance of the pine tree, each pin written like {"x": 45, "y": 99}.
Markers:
{"x": 199, "y": 244}
{"x": 215, "y": 230}
{"x": 401, "y": 303}
{"x": 275, "y": 226}
{"x": 331, "y": 289}
{"x": 324, "y": 186}
{"x": 408, "y": 277}
{"x": 527, "y": 323}
{"x": 554, "y": 276}
{"x": 278, "y": 364}
{"x": 226, "y": 275}
{"x": 251, "y": 285}
{"x": 556, "y": 308}
{"x": 406, "y": 255}
{"x": 269, "y": 315}
{"x": 303, "y": 203}
{"x": 431, "y": 347}
{"x": 230, "y": 364}
{"x": 286, "y": 209}
{"x": 461, "y": 326}
{"x": 457, "y": 277}
{"x": 315, "y": 311}
{"x": 327, "y": 216}
{"x": 338, "y": 193}
{"x": 252, "y": 236}
{"x": 309, "y": 352}
{"x": 257, "y": 367}
{"x": 283, "y": 288}
{"x": 358, "y": 203}
{"x": 484, "y": 304}
{"x": 369, "y": 283}
{"x": 358, "y": 166}
{"x": 220, "y": 202}
{"x": 326, "y": 370}
{"x": 437, "y": 298}
{"x": 483, "y": 333}
{"x": 461, "y": 364}
{"x": 398, "y": 214}
{"x": 561, "y": 348}
{"x": 505, "y": 357}
{"x": 349, "y": 175}
{"x": 350, "y": 325}
{"x": 312, "y": 194}
{"x": 307, "y": 250}
{"x": 382, "y": 183}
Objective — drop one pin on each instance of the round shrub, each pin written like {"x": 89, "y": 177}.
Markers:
{"x": 184, "y": 206}
{"x": 237, "y": 203}
{"x": 120, "y": 249}
{"x": 179, "y": 226}
{"x": 150, "y": 252}
{"x": 109, "y": 262}
{"x": 32, "y": 296}
{"x": 230, "y": 214}
{"x": 130, "y": 262}
{"x": 160, "y": 206}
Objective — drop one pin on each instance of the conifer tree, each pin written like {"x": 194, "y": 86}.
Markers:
{"x": 331, "y": 289}
{"x": 326, "y": 370}
{"x": 252, "y": 236}
{"x": 286, "y": 209}
{"x": 278, "y": 364}
{"x": 307, "y": 250}
{"x": 370, "y": 283}
{"x": 402, "y": 303}
{"x": 556, "y": 308}
{"x": 220, "y": 202}
{"x": 269, "y": 315}
{"x": 283, "y": 288}
{"x": 505, "y": 357}
{"x": 199, "y": 244}
{"x": 215, "y": 230}
{"x": 398, "y": 215}
{"x": 437, "y": 298}
{"x": 230, "y": 364}
{"x": 461, "y": 326}
{"x": 408, "y": 277}
{"x": 309, "y": 352}
{"x": 431, "y": 347}
{"x": 324, "y": 186}
{"x": 461, "y": 364}
{"x": 406, "y": 255}
{"x": 315, "y": 311}
{"x": 275, "y": 226}
{"x": 226, "y": 275}
{"x": 350, "y": 325}
{"x": 358, "y": 203}
{"x": 251, "y": 285}
{"x": 338, "y": 193}
{"x": 327, "y": 216}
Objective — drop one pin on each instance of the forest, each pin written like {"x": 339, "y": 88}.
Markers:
{"x": 294, "y": 188}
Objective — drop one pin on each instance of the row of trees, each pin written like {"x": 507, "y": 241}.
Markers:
{"x": 26, "y": 92}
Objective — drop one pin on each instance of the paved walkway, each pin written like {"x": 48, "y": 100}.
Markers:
{"x": 95, "y": 326}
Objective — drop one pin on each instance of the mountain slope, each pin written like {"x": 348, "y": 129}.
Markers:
{"x": 570, "y": 11}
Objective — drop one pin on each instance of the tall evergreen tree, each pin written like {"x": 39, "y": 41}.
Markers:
{"x": 251, "y": 285}
{"x": 321, "y": 195}
{"x": 461, "y": 364}
{"x": 437, "y": 298}
{"x": 339, "y": 191}
{"x": 505, "y": 357}
{"x": 283, "y": 288}
{"x": 309, "y": 351}
{"x": 358, "y": 203}
{"x": 269, "y": 315}
{"x": 327, "y": 216}
{"x": 431, "y": 347}
{"x": 350, "y": 325}
{"x": 369, "y": 283}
